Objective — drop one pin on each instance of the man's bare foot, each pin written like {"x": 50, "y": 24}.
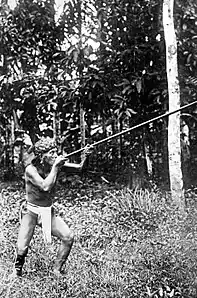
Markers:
{"x": 59, "y": 273}
{"x": 15, "y": 274}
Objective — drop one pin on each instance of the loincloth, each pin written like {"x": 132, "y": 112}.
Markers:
{"x": 44, "y": 218}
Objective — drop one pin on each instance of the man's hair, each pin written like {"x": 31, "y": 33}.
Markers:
{"x": 44, "y": 145}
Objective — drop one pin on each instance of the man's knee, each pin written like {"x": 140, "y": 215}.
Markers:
{"x": 22, "y": 249}
{"x": 25, "y": 234}
{"x": 61, "y": 230}
{"x": 68, "y": 237}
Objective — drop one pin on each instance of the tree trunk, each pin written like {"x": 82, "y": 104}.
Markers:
{"x": 82, "y": 128}
{"x": 54, "y": 128}
{"x": 148, "y": 160}
{"x": 185, "y": 154}
{"x": 174, "y": 144}
{"x": 164, "y": 171}
{"x": 80, "y": 72}
{"x": 121, "y": 141}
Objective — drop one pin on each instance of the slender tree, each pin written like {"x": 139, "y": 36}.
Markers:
{"x": 174, "y": 145}
{"x": 80, "y": 73}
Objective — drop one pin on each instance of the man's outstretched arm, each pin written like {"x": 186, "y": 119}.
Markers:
{"x": 77, "y": 167}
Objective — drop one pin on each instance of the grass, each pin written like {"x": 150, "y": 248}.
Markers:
{"x": 127, "y": 244}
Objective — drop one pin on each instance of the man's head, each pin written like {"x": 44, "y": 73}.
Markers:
{"x": 46, "y": 149}
{"x": 44, "y": 145}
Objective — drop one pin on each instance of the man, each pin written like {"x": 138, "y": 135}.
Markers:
{"x": 41, "y": 173}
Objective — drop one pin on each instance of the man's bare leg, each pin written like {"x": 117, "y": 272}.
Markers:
{"x": 62, "y": 231}
{"x": 25, "y": 235}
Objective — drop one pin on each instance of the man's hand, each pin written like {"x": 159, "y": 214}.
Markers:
{"x": 88, "y": 149}
{"x": 60, "y": 160}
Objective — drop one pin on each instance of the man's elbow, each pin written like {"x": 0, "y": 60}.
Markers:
{"x": 45, "y": 187}
{"x": 81, "y": 167}
{"x": 78, "y": 167}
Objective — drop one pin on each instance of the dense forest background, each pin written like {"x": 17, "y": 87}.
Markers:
{"x": 97, "y": 69}
{"x": 79, "y": 75}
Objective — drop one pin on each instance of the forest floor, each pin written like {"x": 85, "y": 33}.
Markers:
{"x": 127, "y": 244}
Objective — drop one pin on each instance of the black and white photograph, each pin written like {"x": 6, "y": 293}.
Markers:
{"x": 98, "y": 148}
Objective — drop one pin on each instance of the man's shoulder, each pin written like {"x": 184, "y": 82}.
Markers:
{"x": 30, "y": 170}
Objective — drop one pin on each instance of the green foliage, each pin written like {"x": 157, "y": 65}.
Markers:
{"x": 186, "y": 18}
{"x": 30, "y": 36}
{"x": 126, "y": 244}
{"x": 105, "y": 56}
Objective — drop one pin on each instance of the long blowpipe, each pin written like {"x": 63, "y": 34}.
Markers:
{"x": 134, "y": 127}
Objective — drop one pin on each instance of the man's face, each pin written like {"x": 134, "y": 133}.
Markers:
{"x": 50, "y": 156}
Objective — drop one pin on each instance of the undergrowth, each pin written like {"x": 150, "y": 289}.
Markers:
{"x": 127, "y": 244}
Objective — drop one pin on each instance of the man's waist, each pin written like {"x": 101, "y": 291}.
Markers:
{"x": 37, "y": 208}
{"x": 39, "y": 202}
{"x": 36, "y": 205}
